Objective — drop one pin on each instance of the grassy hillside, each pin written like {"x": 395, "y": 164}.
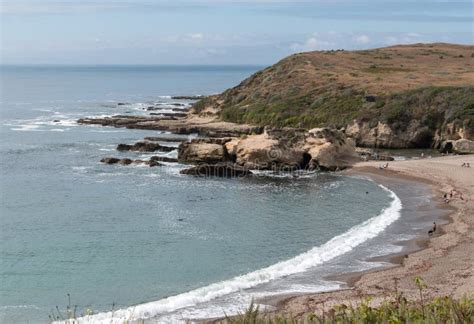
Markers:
{"x": 430, "y": 82}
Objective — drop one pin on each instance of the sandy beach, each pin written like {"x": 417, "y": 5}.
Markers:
{"x": 446, "y": 260}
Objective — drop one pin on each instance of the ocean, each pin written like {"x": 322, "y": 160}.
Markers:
{"x": 149, "y": 242}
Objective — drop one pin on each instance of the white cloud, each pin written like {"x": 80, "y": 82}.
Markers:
{"x": 312, "y": 44}
{"x": 362, "y": 39}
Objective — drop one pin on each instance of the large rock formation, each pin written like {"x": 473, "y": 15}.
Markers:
{"x": 329, "y": 149}
{"x": 264, "y": 152}
{"x": 208, "y": 151}
{"x": 463, "y": 146}
{"x": 281, "y": 150}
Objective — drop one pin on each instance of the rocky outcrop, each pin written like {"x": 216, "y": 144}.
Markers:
{"x": 209, "y": 127}
{"x": 223, "y": 170}
{"x": 329, "y": 149}
{"x": 163, "y": 159}
{"x": 383, "y": 135}
{"x": 126, "y": 161}
{"x": 207, "y": 151}
{"x": 145, "y": 147}
{"x": 165, "y": 139}
{"x": 279, "y": 150}
{"x": 463, "y": 146}
{"x": 412, "y": 135}
{"x": 265, "y": 151}
{"x": 110, "y": 160}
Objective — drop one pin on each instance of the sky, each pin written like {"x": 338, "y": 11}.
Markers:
{"x": 189, "y": 32}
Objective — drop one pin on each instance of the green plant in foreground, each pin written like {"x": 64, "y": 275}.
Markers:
{"x": 391, "y": 311}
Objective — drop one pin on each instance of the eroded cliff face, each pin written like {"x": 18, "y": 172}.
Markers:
{"x": 415, "y": 135}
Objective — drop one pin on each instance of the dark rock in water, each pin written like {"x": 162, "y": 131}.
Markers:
{"x": 163, "y": 159}
{"x": 150, "y": 163}
{"x": 145, "y": 147}
{"x": 153, "y": 163}
{"x": 123, "y": 104}
{"x": 180, "y": 109}
{"x": 171, "y": 115}
{"x": 165, "y": 139}
{"x": 126, "y": 161}
{"x": 224, "y": 170}
{"x": 110, "y": 160}
{"x": 187, "y": 97}
{"x": 124, "y": 147}
{"x": 56, "y": 121}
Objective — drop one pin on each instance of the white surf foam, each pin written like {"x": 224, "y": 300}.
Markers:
{"x": 337, "y": 246}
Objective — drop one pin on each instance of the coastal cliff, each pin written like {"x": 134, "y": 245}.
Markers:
{"x": 410, "y": 96}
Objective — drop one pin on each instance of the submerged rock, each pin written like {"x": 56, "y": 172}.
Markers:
{"x": 145, "y": 147}
{"x": 110, "y": 160}
{"x": 126, "y": 161}
{"x": 163, "y": 159}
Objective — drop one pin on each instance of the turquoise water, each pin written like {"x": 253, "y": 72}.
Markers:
{"x": 130, "y": 235}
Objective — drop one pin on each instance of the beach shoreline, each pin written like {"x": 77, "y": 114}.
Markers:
{"x": 444, "y": 261}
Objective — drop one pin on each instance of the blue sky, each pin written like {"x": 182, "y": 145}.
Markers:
{"x": 217, "y": 31}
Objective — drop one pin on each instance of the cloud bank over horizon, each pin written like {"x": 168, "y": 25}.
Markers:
{"x": 217, "y": 31}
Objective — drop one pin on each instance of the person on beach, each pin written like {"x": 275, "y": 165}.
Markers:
{"x": 446, "y": 199}
{"x": 432, "y": 231}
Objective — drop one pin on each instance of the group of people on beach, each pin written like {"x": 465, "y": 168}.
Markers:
{"x": 465, "y": 165}
{"x": 453, "y": 193}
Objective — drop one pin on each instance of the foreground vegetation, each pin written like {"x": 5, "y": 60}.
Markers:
{"x": 439, "y": 310}
{"x": 393, "y": 311}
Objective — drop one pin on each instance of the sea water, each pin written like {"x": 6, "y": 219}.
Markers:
{"x": 149, "y": 242}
